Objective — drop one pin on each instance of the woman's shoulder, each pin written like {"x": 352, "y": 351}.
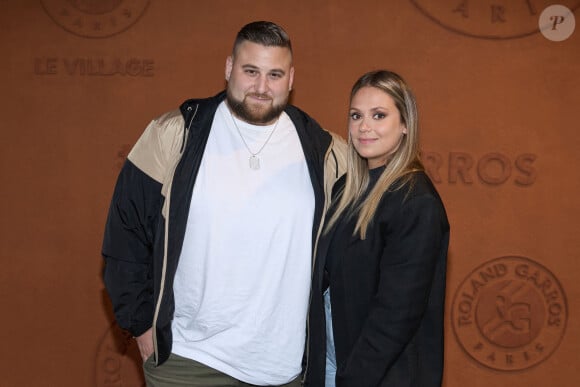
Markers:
{"x": 420, "y": 184}
{"x": 417, "y": 197}
{"x": 413, "y": 186}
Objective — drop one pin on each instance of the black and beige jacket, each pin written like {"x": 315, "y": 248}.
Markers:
{"x": 148, "y": 214}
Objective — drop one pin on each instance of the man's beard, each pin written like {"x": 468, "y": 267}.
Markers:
{"x": 252, "y": 115}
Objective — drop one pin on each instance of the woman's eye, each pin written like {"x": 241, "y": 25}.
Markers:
{"x": 354, "y": 116}
{"x": 379, "y": 116}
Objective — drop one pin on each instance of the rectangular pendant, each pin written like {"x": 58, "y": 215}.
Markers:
{"x": 254, "y": 162}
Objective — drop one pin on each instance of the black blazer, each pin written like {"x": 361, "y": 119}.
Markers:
{"x": 387, "y": 294}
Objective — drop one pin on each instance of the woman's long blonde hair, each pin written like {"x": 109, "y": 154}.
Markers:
{"x": 400, "y": 164}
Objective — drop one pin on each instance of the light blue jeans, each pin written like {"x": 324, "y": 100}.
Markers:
{"x": 330, "y": 352}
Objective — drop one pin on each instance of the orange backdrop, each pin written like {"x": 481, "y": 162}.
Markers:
{"x": 81, "y": 79}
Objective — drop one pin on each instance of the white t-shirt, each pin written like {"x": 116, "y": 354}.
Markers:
{"x": 243, "y": 279}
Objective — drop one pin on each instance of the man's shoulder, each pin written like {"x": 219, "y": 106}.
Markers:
{"x": 306, "y": 125}
{"x": 301, "y": 117}
{"x": 194, "y": 104}
{"x": 319, "y": 137}
{"x": 169, "y": 119}
{"x": 173, "y": 120}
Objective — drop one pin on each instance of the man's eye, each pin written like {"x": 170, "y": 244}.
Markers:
{"x": 276, "y": 75}
{"x": 251, "y": 72}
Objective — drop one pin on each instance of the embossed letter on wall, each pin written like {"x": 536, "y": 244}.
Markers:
{"x": 489, "y": 19}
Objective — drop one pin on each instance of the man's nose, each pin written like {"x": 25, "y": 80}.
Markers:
{"x": 262, "y": 84}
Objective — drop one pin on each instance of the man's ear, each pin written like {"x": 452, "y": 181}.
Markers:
{"x": 229, "y": 65}
{"x": 291, "y": 81}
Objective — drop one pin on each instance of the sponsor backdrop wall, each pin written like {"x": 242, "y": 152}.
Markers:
{"x": 81, "y": 79}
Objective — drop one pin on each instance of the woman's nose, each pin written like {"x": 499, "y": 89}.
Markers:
{"x": 364, "y": 126}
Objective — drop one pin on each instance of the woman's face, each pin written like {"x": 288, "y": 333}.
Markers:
{"x": 374, "y": 125}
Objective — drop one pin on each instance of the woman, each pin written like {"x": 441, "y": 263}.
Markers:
{"x": 379, "y": 276}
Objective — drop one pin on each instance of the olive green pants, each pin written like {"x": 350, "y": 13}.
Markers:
{"x": 179, "y": 371}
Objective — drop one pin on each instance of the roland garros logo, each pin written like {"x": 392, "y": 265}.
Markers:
{"x": 510, "y": 313}
{"x": 95, "y": 18}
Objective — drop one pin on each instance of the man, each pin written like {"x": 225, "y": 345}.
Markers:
{"x": 214, "y": 219}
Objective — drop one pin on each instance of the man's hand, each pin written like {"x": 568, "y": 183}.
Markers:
{"x": 145, "y": 344}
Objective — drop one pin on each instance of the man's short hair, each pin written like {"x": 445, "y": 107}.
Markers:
{"x": 265, "y": 33}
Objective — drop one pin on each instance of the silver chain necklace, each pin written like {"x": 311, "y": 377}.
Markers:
{"x": 254, "y": 160}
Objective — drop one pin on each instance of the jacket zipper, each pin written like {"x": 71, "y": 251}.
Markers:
{"x": 320, "y": 226}
{"x": 166, "y": 235}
